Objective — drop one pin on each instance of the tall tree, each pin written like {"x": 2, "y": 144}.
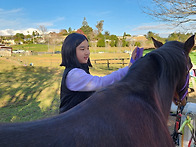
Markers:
{"x": 35, "y": 33}
{"x": 43, "y": 31}
{"x": 84, "y": 22}
{"x": 19, "y": 37}
{"x": 99, "y": 26}
{"x": 154, "y": 35}
{"x": 70, "y": 30}
{"x": 174, "y": 11}
{"x": 88, "y": 31}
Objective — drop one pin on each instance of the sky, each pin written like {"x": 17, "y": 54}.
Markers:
{"x": 23, "y": 16}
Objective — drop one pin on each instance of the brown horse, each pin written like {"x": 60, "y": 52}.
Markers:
{"x": 132, "y": 112}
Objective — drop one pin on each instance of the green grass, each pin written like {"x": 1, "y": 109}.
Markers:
{"x": 109, "y": 52}
{"x": 193, "y": 57}
{"x": 30, "y": 93}
{"x": 37, "y": 47}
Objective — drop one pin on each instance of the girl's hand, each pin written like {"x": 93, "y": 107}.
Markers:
{"x": 136, "y": 54}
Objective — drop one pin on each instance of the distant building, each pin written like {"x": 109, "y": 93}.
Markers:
{"x": 9, "y": 41}
{"x": 5, "y": 50}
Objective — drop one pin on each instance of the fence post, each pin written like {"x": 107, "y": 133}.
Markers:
{"x": 123, "y": 63}
{"x": 108, "y": 64}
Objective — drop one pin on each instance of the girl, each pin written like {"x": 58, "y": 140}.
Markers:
{"x": 77, "y": 82}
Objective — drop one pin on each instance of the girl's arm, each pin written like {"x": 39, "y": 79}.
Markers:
{"x": 78, "y": 80}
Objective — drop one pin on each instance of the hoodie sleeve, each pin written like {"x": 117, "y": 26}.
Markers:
{"x": 78, "y": 80}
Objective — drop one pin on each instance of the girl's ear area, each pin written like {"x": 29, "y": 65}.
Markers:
{"x": 188, "y": 45}
{"x": 157, "y": 44}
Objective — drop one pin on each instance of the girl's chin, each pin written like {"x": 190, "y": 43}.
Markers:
{"x": 84, "y": 62}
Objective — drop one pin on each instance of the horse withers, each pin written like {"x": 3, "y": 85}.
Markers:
{"x": 130, "y": 113}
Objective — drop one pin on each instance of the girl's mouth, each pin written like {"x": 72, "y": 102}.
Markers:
{"x": 86, "y": 58}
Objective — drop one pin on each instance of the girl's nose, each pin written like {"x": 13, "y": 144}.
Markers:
{"x": 87, "y": 52}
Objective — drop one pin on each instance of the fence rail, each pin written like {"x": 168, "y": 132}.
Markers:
{"x": 111, "y": 61}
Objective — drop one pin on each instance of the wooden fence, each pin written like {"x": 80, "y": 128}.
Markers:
{"x": 126, "y": 61}
{"x": 111, "y": 61}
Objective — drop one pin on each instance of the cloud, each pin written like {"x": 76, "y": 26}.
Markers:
{"x": 46, "y": 24}
{"x": 152, "y": 27}
{"x": 49, "y": 23}
{"x": 7, "y": 32}
{"x": 13, "y": 18}
{"x": 165, "y": 29}
{"x": 15, "y": 21}
{"x": 162, "y": 29}
{"x": 4, "y": 13}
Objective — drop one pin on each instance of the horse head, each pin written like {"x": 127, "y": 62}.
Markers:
{"x": 181, "y": 91}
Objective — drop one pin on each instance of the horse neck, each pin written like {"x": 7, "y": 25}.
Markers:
{"x": 147, "y": 79}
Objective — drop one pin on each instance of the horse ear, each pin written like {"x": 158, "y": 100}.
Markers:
{"x": 157, "y": 44}
{"x": 189, "y": 44}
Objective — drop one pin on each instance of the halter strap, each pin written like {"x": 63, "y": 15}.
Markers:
{"x": 185, "y": 85}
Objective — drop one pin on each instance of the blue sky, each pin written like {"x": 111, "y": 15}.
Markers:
{"x": 20, "y": 16}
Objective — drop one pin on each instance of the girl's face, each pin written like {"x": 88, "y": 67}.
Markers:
{"x": 83, "y": 52}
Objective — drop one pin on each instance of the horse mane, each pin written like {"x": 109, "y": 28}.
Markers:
{"x": 152, "y": 74}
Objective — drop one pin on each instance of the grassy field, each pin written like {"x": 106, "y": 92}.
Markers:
{"x": 32, "y": 92}
{"x": 37, "y": 47}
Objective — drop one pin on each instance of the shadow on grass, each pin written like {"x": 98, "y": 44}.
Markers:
{"x": 29, "y": 93}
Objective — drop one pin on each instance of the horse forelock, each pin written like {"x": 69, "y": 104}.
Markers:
{"x": 176, "y": 61}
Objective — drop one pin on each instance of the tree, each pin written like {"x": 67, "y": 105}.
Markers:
{"x": 174, "y": 11}
{"x": 114, "y": 41}
{"x": 35, "y": 33}
{"x": 101, "y": 40}
{"x": 107, "y": 35}
{"x": 28, "y": 39}
{"x": 54, "y": 39}
{"x": 101, "y": 43}
{"x": 125, "y": 43}
{"x": 125, "y": 34}
{"x": 178, "y": 36}
{"x": 137, "y": 44}
{"x": 151, "y": 34}
{"x": 43, "y": 31}
{"x": 99, "y": 26}
{"x": 63, "y": 32}
{"x": 87, "y": 29}
{"x": 84, "y": 23}
{"x": 70, "y": 30}
{"x": 19, "y": 37}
